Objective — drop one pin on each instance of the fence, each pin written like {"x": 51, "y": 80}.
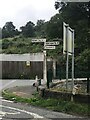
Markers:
{"x": 19, "y": 69}
{"x": 14, "y": 66}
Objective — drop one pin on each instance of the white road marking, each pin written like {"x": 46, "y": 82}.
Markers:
{"x": 6, "y": 101}
{"x": 8, "y": 113}
{"x": 29, "y": 113}
{"x": 8, "y": 83}
{"x": 2, "y": 114}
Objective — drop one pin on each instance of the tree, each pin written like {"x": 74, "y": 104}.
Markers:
{"x": 54, "y": 27}
{"x": 40, "y": 28}
{"x": 28, "y": 29}
{"x": 8, "y": 30}
{"x": 78, "y": 16}
{"x": 39, "y": 24}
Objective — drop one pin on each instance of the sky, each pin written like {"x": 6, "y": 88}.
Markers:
{"x": 22, "y": 11}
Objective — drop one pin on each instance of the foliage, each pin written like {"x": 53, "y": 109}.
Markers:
{"x": 40, "y": 28}
{"x": 54, "y": 27}
{"x": 20, "y": 45}
{"x": 9, "y": 30}
{"x": 28, "y": 29}
{"x": 77, "y": 15}
{"x": 52, "y": 104}
{"x": 82, "y": 63}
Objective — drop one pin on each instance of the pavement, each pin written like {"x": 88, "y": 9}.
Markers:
{"x": 23, "y": 91}
{"x": 28, "y": 91}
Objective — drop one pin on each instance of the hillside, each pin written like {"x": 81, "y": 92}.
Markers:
{"x": 21, "y": 45}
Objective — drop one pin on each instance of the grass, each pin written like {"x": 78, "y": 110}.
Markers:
{"x": 52, "y": 104}
{"x": 19, "y": 45}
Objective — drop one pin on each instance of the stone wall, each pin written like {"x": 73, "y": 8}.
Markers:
{"x": 80, "y": 98}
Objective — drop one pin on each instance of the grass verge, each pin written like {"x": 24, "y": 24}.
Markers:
{"x": 52, "y": 104}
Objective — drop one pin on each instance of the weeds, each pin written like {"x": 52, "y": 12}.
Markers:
{"x": 53, "y": 104}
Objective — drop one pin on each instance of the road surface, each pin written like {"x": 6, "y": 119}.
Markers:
{"x": 18, "y": 111}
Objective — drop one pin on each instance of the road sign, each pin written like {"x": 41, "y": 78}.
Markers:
{"x": 70, "y": 41}
{"x": 65, "y": 34}
{"x": 49, "y": 47}
{"x": 38, "y": 40}
{"x": 52, "y": 43}
{"x": 67, "y": 39}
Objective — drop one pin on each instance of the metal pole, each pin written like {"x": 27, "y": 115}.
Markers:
{"x": 45, "y": 68}
{"x": 67, "y": 71}
{"x": 72, "y": 86}
{"x": 65, "y": 48}
{"x": 67, "y": 58}
{"x": 72, "y": 60}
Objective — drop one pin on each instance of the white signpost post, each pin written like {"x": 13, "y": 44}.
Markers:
{"x": 45, "y": 67}
{"x": 45, "y": 58}
{"x": 52, "y": 45}
{"x": 44, "y": 61}
{"x": 47, "y": 46}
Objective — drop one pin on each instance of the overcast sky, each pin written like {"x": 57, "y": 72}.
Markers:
{"x": 22, "y": 11}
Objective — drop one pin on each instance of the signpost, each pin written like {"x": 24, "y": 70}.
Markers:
{"x": 45, "y": 67}
{"x": 68, "y": 49}
{"x": 65, "y": 49}
{"x": 71, "y": 51}
{"x": 49, "y": 47}
{"x": 52, "y": 43}
{"x": 38, "y": 40}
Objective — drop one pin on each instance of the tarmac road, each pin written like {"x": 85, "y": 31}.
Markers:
{"x": 8, "y": 83}
{"x": 18, "y": 111}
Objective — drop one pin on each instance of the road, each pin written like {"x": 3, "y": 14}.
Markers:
{"x": 18, "y": 111}
{"x": 4, "y": 84}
